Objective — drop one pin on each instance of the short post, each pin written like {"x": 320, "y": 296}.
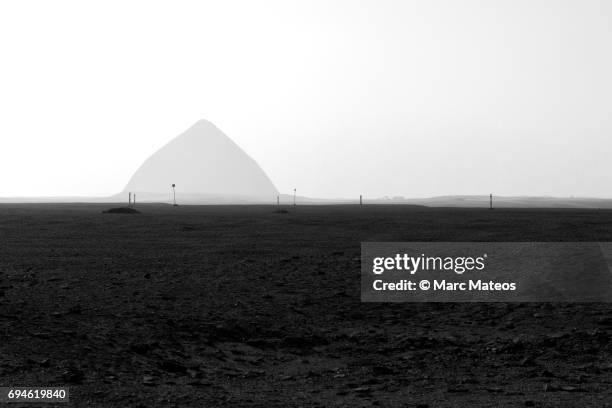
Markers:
{"x": 130, "y": 198}
{"x": 277, "y": 200}
{"x": 490, "y": 201}
{"x": 134, "y": 198}
{"x": 294, "y": 191}
{"x": 174, "y": 193}
{"x": 360, "y": 199}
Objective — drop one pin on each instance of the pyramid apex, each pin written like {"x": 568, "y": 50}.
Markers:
{"x": 203, "y": 122}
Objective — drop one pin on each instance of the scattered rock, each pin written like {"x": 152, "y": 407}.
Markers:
{"x": 302, "y": 342}
{"x": 570, "y": 388}
{"x": 262, "y": 343}
{"x": 199, "y": 383}
{"x": 173, "y": 366}
{"x": 194, "y": 373}
{"x": 527, "y": 362}
{"x": 605, "y": 321}
{"x": 76, "y": 309}
{"x": 547, "y": 373}
{"x": 555, "y": 387}
{"x": 228, "y": 331}
{"x": 142, "y": 348}
{"x": 342, "y": 392}
{"x": 382, "y": 370}
{"x": 457, "y": 389}
{"x": 148, "y": 380}
{"x": 73, "y": 375}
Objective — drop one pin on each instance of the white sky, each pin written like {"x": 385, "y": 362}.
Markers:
{"x": 336, "y": 98}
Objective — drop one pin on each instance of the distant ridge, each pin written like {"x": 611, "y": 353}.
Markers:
{"x": 482, "y": 201}
{"x": 466, "y": 201}
{"x": 287, "y": 199}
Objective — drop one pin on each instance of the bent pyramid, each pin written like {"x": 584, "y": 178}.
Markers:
{"x": 206, "y": 166}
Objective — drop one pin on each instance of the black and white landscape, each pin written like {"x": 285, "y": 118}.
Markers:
{"x": 185, "y": 188}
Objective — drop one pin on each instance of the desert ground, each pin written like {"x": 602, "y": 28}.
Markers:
{"x": 248, "y": 306}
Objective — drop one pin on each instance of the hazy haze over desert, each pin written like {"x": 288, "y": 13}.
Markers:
{"x": 336, "y": 99}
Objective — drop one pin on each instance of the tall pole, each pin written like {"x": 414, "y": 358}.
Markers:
{"x": 294, "y": 190}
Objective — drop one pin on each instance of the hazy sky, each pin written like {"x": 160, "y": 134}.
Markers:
{"x": 336, "y": 98}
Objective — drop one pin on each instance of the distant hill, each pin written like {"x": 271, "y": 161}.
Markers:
{"x": 287, "y": 199}
{"x": 482, "y": 201}
{"x": 467, "y": 201}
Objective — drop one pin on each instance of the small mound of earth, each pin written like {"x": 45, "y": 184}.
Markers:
{"x": 121, "y": 210}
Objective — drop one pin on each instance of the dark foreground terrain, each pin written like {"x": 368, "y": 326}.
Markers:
{"x": 246, "y": 306}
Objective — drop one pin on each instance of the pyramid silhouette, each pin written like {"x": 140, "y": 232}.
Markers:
{"x": 205, "y": 165}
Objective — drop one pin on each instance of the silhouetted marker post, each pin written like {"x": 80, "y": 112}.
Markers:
{"x": 294, "y": 190}
{"x": 174, "y": 193}
{"x": 360, "y": 199}
{"x": 134, "y": 198}
{"x": 490, "y": 201}
{"x": 277, "y": 200}
{"x": 129, "y": 198}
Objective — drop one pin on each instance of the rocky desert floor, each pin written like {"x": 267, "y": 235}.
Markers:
{"x": 246, "y": 306}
